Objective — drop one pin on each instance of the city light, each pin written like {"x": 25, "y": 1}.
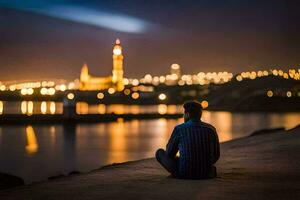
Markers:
{"x": 32, "y": 145}
{"x": 135, "y": 95}
{"x": 135, "y": 82}
{"x": 30, "y": 91}
{"x": 126, "y": 81}
{"x": 2, "y": 87}
{"x": 29, "y": 108}
{"x": 239, "y": 78}
{"x": 12, "y": 88}
{"x": 47, "y": 91}
{"x": 27, "y": 91}
{"x": 127, "y": 91}
{"x": 174, "y": 78}
{"x": 51, "y": 91}
{"x": 24, "y": 91}
{"x": 111, "y": 90}
{"x": 82, "y": 108}
{"x": 62, "y": 87}
{"x": 145, "y": 85}
{"x": 43, "y": 107}
{"x": 101, "y": 109}
{"x": 291, "y": 74}
{"x": 43, "y": 91}
{"x": 162, "y": 109}
{"x": 52, "y": 107}
{"x": 70, "y": 96}
{"x": 24, "y": 107}
{"x": 1, "y": 107}
{"x": 204, "y": 104}
{"x": 148, "y": 78}
{"x": 100, "y": 95}
{"x": 162, "y": 97}
{"x": 269, "y": 93}
{"x": 117, "y": 51}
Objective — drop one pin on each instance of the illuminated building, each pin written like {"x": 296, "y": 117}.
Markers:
{"x": 175, "y": 69}
{"x": 88, "y": 82}
{"x": 172, "y": 79}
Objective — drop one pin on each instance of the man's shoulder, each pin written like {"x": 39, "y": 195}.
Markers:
{"x": 207, "y": 125}
{"x": 181, "y": 126}
{"x": 201, "y": 124}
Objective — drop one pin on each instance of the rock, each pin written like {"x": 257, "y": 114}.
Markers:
{"x": 296, "y": 127}
{"x": 74, "y": 173}
{"x": 266, "y": 131}
{"x": 56, "y": 177}
{"x": 8, "y": 181}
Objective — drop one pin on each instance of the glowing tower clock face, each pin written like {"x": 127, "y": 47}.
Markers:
{"x": 117, "y": 51}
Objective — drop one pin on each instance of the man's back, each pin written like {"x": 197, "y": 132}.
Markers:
{"x": 198, "y": 145}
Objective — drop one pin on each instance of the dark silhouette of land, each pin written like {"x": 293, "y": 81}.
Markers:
{"x": 247, "y": 95}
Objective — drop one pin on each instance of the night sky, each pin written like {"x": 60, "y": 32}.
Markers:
{"x": 52, "y": 39}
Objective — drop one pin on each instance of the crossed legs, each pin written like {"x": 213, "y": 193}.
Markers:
{"x": 168, "y": 163}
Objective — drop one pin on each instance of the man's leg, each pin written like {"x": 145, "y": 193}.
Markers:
{"x": 168, "y": 163}
{"x": 213, "y": 172}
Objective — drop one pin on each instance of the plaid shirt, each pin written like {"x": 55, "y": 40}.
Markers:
{"x": 198, "y": 146}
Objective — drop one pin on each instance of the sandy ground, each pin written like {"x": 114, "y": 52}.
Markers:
{"x": 259, "y": 167}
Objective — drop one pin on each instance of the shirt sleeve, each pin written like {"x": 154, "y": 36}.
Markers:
{"x": 172, "y": 146}
{"x": 215, "y": 148}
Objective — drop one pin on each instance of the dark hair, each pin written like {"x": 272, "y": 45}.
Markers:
{"x": 194, "y": 109}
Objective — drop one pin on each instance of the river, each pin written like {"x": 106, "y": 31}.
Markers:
{"x": 35, "y": 152}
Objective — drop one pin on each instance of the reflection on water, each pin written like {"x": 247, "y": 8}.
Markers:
{"x": 32, "y": 107}
{"x": 117, "y": 109}
{"x": 48, "y": 107}
{"x": 101, "y": 109}
{"x": 29, "y": 108}
{"x": 288, "y": 120}
{"x": 162, "y": 109}
{"x": 32, "y": 145}
{"x": 84, "y": 108}
{"x": 44, "y": 107}
{"x": 117, "y": 142}
{"x": 223, "y": 120}
{"x": 59, "y": 149}
{"x": 52, "y": 107}
{"x": 24, "y": 107}
{"x": 1, "y": 107}
{"x": 52, "y": 133}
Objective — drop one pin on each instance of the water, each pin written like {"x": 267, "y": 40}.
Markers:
{"x": 50, "y": 107}
{"x": 39, "y": 151}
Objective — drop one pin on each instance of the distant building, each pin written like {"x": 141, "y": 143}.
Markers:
{"x": 175, "y": 69}
{"x": 88, "y": 82}
{"x": 174, "y": 76}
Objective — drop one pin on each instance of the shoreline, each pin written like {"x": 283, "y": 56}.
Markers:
{"x": 23, "y": 119}
{"x": 255, "y": 168}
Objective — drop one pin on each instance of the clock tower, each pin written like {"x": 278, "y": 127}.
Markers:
{"x": 117, "y": 72}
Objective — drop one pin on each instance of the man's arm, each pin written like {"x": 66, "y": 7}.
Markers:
{"x": 172, "y": 146}
{"x": 215, "y": 148}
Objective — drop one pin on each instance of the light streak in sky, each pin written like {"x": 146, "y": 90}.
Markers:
{"x": 76, "y": 13}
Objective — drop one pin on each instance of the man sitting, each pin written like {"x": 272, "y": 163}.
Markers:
{"x": 197, "y": 143}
